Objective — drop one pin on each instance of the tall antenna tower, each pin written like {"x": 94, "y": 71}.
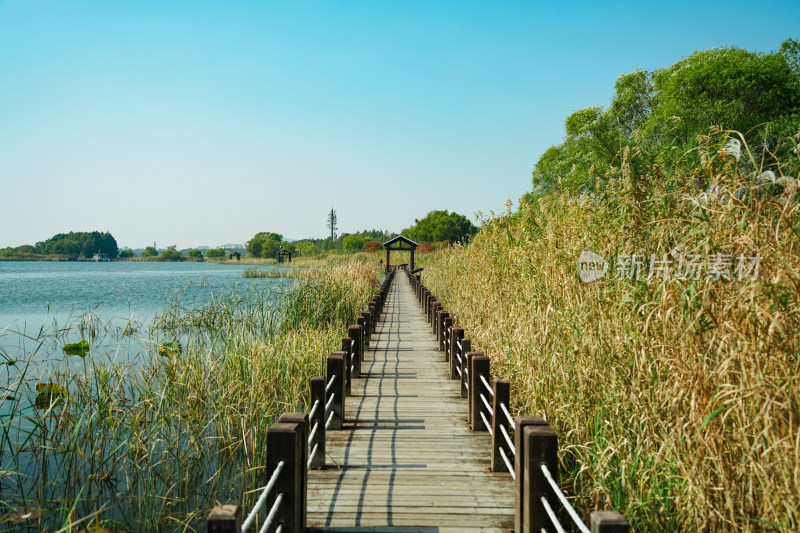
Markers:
{"x": 332, "y": 224}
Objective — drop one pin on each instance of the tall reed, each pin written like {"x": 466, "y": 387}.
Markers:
{"x": 151, "y": 443}
{"x": 676, "y": 401}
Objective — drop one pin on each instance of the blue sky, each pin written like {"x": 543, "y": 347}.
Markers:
{"x": 203, "y": 122}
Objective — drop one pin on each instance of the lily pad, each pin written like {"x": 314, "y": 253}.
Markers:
{"x": 50, "y": 395}
{"x": 173, "y": 347}
{"x": 77, "y": 348}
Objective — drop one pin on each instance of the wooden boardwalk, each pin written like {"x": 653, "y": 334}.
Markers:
{"x": 406, "y": 459}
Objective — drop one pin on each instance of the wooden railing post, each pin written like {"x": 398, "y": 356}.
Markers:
{"x": 456, "y": 334}
{"x": 285, "y": 443}
{"x": 502, "y": 394}
{"x": 301, "y": 419}
{"x": 520, "y": 423}
{"x": 368, "y": 325}
{"x": 479, "y": 366}
{"x": 336, "y": 368}
{"x": 318, "y": 394}
{"x": 465, "y": 351}
{"x": 608, "y": 522}
{"x": 225, "y": 519}
{"x": 347, "y": 349}
{"x": 444, "y": 328}
{"x": 373, "y": 314}
{"x": 541, "y": 447}
{"x": 363, "y": 322}
{"x": 354, "y": 332}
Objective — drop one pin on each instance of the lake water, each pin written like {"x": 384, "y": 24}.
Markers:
{"x": 46, "y": 305}
{"x": 49, "y": 295}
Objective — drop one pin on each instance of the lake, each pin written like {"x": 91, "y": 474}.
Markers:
{"x": 49, "y": 295}
{"x": 50, "y": 397}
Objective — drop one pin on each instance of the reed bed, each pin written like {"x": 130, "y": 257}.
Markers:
{"x": 151, "y": 443}
{"x": 676, "y": 401}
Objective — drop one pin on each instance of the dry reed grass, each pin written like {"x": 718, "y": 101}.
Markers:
{"x": 676, "y": 402}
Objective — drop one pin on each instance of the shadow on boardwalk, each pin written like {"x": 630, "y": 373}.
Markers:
{"x": 406, "y": 459}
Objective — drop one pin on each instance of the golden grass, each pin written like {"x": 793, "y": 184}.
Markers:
{"x": 676, "y": 402}
{"x": 154, "y": 444}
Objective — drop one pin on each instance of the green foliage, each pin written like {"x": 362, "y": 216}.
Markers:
{"x": 77, "y": 348}
{"x": 150, "y": 252}
{"x": 289, "y": 246}
{"x": 215, "y": 253}
{"x": 50, "y": 395}
{"x": 307, "y": 248}
{"x": 80, "y": 243}
{"x": 171, "y": 254}
{"x": 438, "y": 226}
{"x": 790, "y": 50}
{"x": 729, "y": 87}
{"x": 346, "y": 242}
{"x": 264, "y": 244}
{"x": 126, "y": 254}
{"x": 355, "y": 242}
{"x": 170, "y": 348}
{"x": 194, "y": 253}
{"x": 663, "y": 113}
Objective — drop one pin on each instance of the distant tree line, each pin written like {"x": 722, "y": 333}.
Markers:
{"x": 79, "y": 244}
{"x": 268, "y": 244}
{"x": 435, "y": 227}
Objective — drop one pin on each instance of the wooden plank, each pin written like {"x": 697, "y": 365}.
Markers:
{"x": 405, "y": 459}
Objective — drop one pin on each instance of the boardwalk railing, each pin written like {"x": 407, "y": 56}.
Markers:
{"x": 524, "y": 446}
{"x": 292, "y": 449}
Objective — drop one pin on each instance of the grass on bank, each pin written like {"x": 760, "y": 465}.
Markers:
{"x": 153, "y": 443}
{"x": 676, "y": 401}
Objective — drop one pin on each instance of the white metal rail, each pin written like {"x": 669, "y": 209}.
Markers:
{"x": 262, "y": 499}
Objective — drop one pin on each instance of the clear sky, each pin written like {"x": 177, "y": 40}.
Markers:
{"x": 203, "y": 122}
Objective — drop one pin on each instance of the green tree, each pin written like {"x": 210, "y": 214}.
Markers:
{"x": 270, "y": 246}
{"x": 355, "y": 243}
{"x": 255, "y": 246}
{"x": 727, "y": 87}
{"x": 126, "y": 254}
{"x": 194, "y": 253}
{"x": 438, "y": 226}
{"x": 150, "y": 252}
{"x": 307, "y": 248}
{"x": 215, "y": 253}
{"x": 171, "y": 254}
{"x": 81, "y": 243}
{"x": 664, "y": 112}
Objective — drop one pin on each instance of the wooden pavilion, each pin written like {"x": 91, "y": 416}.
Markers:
{"x": 399, "y": 244}
{"x": 283, "y": 255}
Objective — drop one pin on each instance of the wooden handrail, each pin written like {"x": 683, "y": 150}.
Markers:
{"x": 535, "y": 442}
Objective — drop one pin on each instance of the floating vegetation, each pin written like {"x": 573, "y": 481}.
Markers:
{"x": 77, "y": 348}
{"x": 169, "y": 348}
{"x": 50, "y": 395}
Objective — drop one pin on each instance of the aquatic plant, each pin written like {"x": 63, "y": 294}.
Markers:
{"x": 146, "y": 442}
